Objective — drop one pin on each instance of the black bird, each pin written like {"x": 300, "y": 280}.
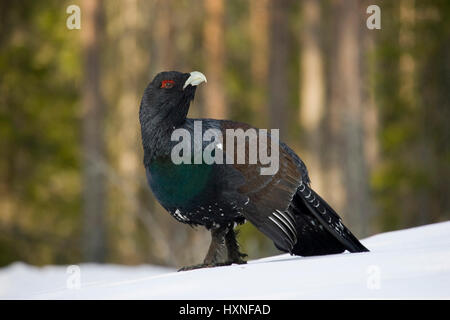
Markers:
{"x": 218, "y": 196}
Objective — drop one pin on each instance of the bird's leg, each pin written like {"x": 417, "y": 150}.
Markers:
{"x": 217, "y": 249}
{"x": 216, "y": 253}
{"x": 234, "y": 255}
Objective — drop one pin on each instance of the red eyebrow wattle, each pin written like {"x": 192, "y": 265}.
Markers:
{"x": 166, "y": 81}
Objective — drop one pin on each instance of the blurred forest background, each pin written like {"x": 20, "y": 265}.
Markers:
{"x": 368, "y": 110}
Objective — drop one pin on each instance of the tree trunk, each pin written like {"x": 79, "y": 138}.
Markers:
{"x": 312, "y": 92}
{"x": 92, "y": 134}
{"x": 347, "y": 116}
{"x": 408, "y": 94}
{"x": 164, "y": 55}
{"x": 407, "y": 64}
{"x": 214, "y": 50}
{"x": 258, "y": 29}
{"x": 370, "y": 107}
{"x": 130, "y": 74}
{"x": 278, "y": 66}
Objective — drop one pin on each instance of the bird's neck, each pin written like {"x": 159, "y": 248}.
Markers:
{"x": 157, "y": 127}
{"x": 156, "y": 136}
{"x": 156, "y": 141}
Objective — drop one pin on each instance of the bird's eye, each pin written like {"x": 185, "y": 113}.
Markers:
{"x": 167, "y": 84}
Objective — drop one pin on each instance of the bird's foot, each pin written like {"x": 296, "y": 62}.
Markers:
{"x": 237, "y": 257}
{"x": 206, "y": 265}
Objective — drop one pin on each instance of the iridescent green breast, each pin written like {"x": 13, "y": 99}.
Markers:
{"x": 179, "y": 185}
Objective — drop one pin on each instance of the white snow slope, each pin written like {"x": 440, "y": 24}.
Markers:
{"x": 407, "y": 264}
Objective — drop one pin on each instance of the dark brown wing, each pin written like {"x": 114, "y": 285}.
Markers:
{"x": 269, "y": 196}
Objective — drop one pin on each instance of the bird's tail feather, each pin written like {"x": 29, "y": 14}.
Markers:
{"x": 324, "y": 223}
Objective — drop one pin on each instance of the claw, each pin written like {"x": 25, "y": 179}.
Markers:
{"x": 237, "y": 257}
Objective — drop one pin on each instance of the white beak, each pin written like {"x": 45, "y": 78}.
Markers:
{"x": 195, "y": 79}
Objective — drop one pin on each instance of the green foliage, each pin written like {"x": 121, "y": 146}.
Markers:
{"x": 39, "y": 63}
{"x": 414, "y": 134}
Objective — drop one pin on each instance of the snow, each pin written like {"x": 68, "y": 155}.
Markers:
{"x": 406, "y": 264}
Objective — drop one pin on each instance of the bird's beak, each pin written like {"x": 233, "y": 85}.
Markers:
{"x": 195, "y": 79}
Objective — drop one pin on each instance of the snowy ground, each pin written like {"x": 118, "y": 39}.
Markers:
{"x": 411, "y": 264}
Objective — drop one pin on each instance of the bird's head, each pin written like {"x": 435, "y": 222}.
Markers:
{"x": 167, "y": 98}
